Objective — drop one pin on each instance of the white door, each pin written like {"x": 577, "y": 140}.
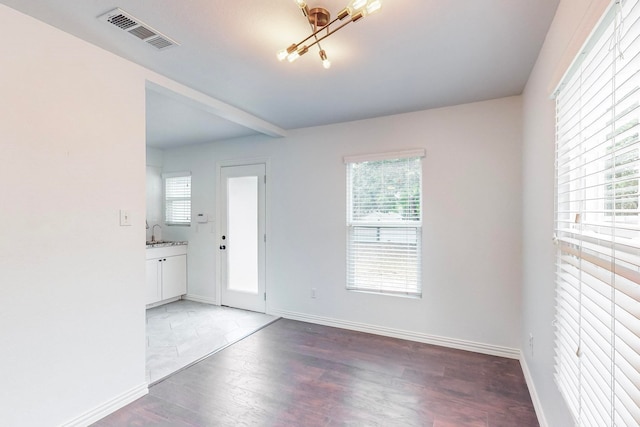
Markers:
{"x": 242, "y": 238}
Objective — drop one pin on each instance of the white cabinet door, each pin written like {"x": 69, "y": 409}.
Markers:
{"x": 153, "y": 289}
{"x": 174, "y": 276}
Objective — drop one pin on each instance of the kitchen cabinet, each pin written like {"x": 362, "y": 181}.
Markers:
{"x": 166, "y": 273}
{"x": 154, "y": 284}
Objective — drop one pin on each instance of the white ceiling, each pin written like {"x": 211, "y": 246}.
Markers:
{"x": 171, "y": 123}
{"x": 413, "y": 55}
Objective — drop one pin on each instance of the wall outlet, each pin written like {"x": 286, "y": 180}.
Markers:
{"x": 314, "y": 294}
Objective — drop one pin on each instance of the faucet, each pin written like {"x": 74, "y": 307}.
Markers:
{"x": 153, "y": 229}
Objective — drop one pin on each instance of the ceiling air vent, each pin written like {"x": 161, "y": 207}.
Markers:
{"x": 134, "y": 26}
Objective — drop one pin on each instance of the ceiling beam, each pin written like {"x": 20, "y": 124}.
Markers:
{"x": 194, "y": 98}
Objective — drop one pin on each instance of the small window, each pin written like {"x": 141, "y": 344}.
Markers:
{"x": 177, "y": 199}
{"x": 384, "y": 222}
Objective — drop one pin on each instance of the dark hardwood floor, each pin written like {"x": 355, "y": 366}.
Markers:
{"x": 300, "y": 374}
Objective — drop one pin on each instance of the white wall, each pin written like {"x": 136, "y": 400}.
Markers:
{"x": 202, "y": 248}
{"x": 472, "y": 220}
{"x": 155, "y": 157}
{"x": 72, "y": 317}
{"x": 154, "y": 192}
{"x": 573, "y": 21}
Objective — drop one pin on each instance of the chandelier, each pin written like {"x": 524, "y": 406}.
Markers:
{"x": 321, "y": 26}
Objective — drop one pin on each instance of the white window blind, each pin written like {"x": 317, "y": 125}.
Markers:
{"x": 598, "y": 227}
{"x": 177, "y": 198}
{"x": 384, "y": 221}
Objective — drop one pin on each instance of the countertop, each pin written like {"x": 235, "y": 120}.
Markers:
{"x": 164, "y": 244}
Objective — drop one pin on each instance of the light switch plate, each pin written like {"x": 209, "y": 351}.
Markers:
{"x": 125, "y": 217}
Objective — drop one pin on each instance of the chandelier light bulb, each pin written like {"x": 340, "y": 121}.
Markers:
{"x": 297, "y": 53}
{"x": 301, "y": 4}
{"x": 325, "y": 61}
{"x": 357, "y": 5}
{"x": 281, "y": 55}
{"x": 284, "y": 53}
{"x": 293, "y": 56}
{"x": 373, "y": 6}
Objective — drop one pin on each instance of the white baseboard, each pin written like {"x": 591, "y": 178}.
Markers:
{"x": 108, "y": 407}
{"x": 163, "y": 302}
{"x": 489, "y": 349}
{"x": 537, "y": 405}
{"x": 198, "y": 298}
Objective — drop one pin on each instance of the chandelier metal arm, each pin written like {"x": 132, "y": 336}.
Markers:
{"x": 318, "y": 40}
{"x": 314, "y": 25}
{"x": 317, "y": 31}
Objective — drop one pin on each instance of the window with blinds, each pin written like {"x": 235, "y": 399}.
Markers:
{"x": 384, "y": 222}
{"x": 177, "y": 199}
{"x": 598, "y": 226}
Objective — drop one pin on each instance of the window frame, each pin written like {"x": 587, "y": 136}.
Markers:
{"x": 403, "y": 240}
{"x": 597, "y": 224}
{"x": 167, "y": 177}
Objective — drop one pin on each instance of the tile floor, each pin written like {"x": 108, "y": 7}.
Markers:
{"x": 183, "y": 332}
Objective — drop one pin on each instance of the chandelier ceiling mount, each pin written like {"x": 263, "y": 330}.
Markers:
{"x": 319, "y": 17}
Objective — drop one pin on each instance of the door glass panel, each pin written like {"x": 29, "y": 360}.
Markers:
{"x": 242, "y": 246}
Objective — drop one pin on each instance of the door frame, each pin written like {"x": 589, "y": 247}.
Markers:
{"x": 267, "y": 209}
